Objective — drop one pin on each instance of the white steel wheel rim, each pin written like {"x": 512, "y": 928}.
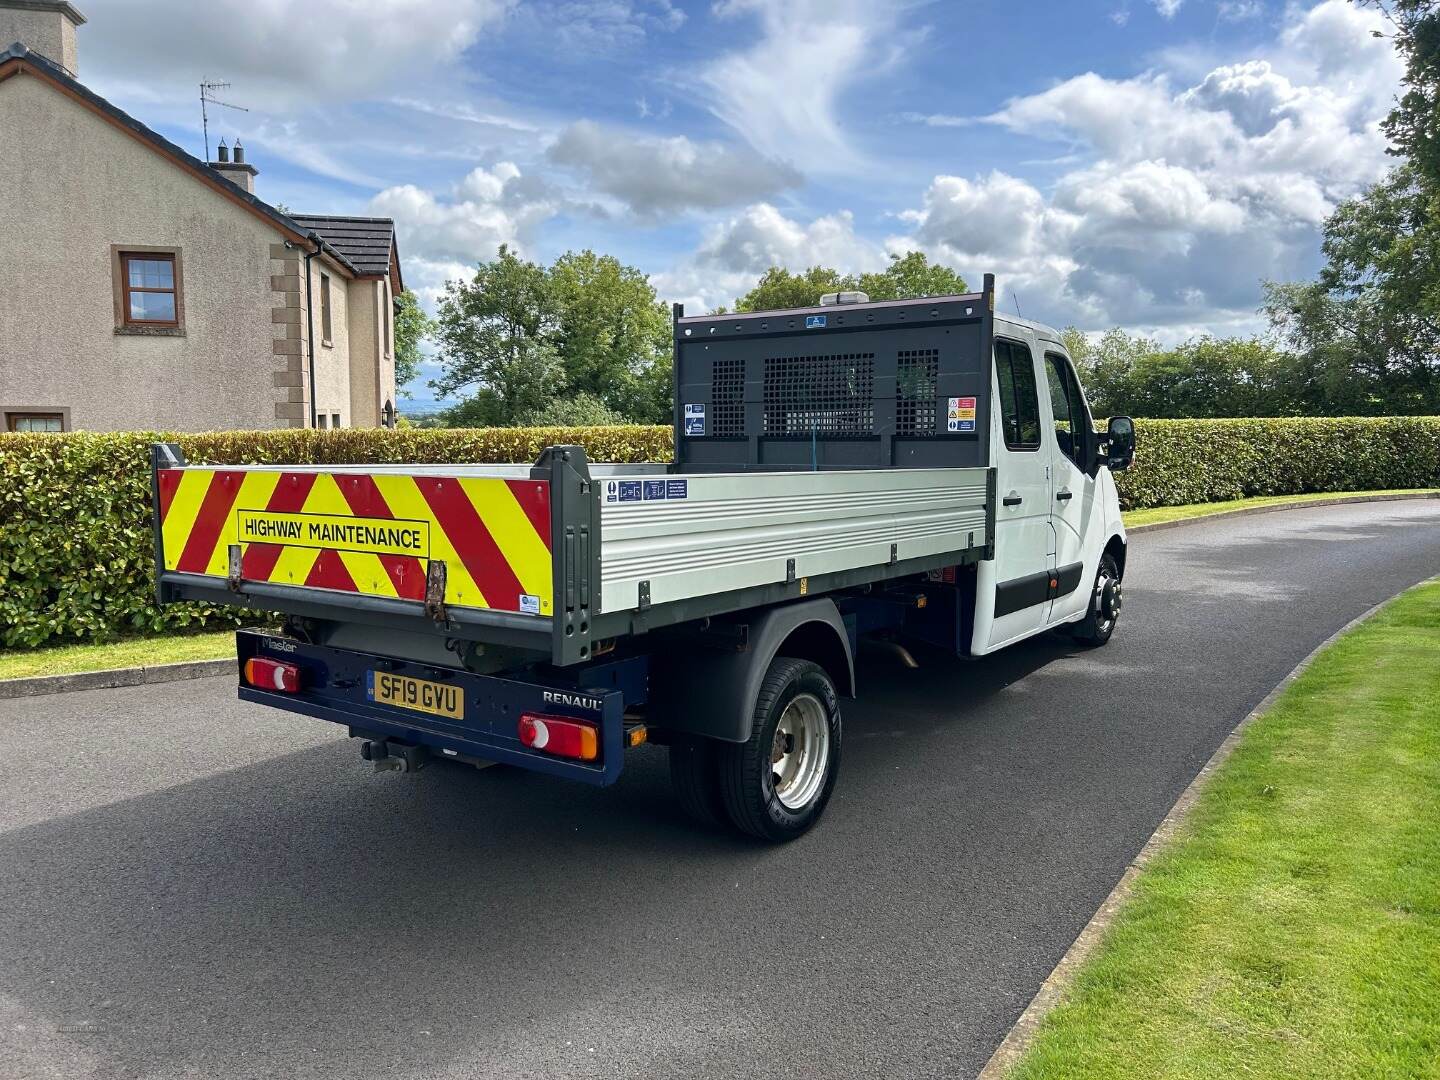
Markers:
{"x": 800, "y": 752}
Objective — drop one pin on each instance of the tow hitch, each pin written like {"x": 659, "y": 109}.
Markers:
{"x": 390, "y": 754}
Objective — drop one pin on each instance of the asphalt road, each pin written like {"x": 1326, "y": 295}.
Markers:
{"x": 191, "y": 887}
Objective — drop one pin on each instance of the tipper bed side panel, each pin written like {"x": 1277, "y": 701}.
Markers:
{"x": 714, "y": 534}
{"x": 373, "y": 534}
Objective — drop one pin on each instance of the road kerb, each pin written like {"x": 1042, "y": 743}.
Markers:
{"x": 104, "y": 680}
{"x": 1052, "y": 990}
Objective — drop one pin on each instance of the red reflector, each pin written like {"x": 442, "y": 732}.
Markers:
{"x": 560, "y": 735}
{"x": 266, "y": 674}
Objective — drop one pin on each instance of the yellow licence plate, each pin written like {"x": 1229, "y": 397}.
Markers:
{"x": 418, "y": 695}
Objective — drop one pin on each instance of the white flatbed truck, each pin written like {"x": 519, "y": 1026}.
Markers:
{"x": 918, "y": 470}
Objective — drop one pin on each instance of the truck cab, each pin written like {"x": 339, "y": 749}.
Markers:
{"x": 1059, "y": 538}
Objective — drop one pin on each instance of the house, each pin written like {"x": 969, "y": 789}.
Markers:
{"x": 143, "y": 288}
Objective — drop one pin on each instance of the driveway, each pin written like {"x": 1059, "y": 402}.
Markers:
{"x": 192, "y": 887}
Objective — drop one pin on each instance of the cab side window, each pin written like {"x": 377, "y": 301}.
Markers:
{"x": 1071, "y": 418}
{"x": 1019, "y": 396}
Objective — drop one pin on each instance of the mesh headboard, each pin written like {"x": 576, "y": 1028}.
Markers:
{"x": 899, "y": 384}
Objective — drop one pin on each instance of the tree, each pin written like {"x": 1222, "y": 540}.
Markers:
{"x": 584, "y": 338}
{"x": 411, "y": 326}
{"x": 1414, "y": 123}
{"x": 1368, "y": 330}
{"x": 778, "y": 288}
{"x": 492, "y": 338}
{"x": 612, "y": 334}
{"x": 1107, "y": 367}
{"x": 908, "y": 276}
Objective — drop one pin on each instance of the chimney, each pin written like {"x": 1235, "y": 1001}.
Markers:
{"x": 46, "y": 27}
{"x": 231, "y": 165}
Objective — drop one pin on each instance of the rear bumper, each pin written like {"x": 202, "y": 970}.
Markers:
{"x": 334, "y": 688}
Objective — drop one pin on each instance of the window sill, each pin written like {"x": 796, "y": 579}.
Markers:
{"x": 149, "y": 331}
{"x": 327, "y": 344}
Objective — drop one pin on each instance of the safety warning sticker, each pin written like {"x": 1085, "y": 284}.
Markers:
{"x": 961, "y": 414}
{"x": 694, "y": 420}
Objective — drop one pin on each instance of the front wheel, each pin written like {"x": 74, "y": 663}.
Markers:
{"x": 1106, "y": 600}
{"x": 775, "y": 784}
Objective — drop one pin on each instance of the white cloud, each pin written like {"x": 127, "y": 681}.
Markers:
{"x": 280, "y": 54}
{"x": 588, "y": 27}
{"x": 653, "y": 176}
{"x": 487, "y": 208}
{"x": 781, "y": 92}
{"x": 1186, "y": 195}
{"x": 1239, "y": 10}
{"x": 735, "y": 252}
{"x": 1168, "y": 9}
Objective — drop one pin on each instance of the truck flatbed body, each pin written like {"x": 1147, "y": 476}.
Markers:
{"x": 554, "y": 556}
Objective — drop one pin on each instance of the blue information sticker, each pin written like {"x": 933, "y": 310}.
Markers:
{"x": 630, "y": 491}
{"x": 694, "y": 420}
{"x": 814, "y": 322}
{"x": 677, "y": 489}
{"x": 962, "y": 425}
{"x": 654, "y": 489}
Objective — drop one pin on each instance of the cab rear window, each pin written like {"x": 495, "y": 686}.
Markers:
{"x": 1019, "y": 398}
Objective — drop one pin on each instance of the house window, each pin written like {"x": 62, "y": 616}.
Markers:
{"x": 149, "y": 298}
{"x": 35, "y": 421}
{"x": 335, "y": 420}
{"x": 322, "y": 420}
{"x": 325, "y": 337}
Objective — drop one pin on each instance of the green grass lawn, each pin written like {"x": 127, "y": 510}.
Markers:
{"x": 1294, "y": 929}
{"x": 131, "y": 652}
{"x": 1194, "y": 510}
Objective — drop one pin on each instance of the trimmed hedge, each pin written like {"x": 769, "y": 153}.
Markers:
{"x": 76, "y": 555}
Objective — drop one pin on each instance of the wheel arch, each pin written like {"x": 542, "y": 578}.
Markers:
{"x": 1116, "y": 547}
{"x": 703, "y": 691}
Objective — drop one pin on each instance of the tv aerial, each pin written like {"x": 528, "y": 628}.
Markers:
{"x": 208, "y": 89}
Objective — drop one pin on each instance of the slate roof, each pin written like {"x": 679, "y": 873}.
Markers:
{"x": 58, "y": 74}
{"x": 366, "y": 241}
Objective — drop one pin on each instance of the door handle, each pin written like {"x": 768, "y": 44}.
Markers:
{"x": 1012, "y": 500}
{"x": 1064, "y": 494}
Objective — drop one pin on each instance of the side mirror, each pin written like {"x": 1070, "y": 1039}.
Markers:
{"x": 1121, "y": 440}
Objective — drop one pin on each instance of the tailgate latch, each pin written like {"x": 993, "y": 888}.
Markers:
{"x": 435, "y": 591}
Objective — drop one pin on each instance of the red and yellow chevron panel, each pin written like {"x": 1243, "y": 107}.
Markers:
{"x": 369, "y": 533}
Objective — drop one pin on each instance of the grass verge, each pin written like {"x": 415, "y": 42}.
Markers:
{"x": 1193, "y": 510}
{"x": 130, "y": 652}
{"x": 1294, "y": 928}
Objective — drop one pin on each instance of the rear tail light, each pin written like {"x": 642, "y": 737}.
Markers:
{"x": 266, "y": 674}
{"x": 560, "y": 735}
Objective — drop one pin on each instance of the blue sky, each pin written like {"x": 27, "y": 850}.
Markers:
{"x": 1141, "y": 163}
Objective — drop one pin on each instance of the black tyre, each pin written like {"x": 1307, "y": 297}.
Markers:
{"x": 1106, "y": 601}
{"x": 777, "y": 782}
{"x": 695, "y": 776}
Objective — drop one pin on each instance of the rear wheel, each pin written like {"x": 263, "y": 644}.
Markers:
{"x": 776, "y": 783}
{"x": 695, "y": 776}
{"x": 1105, "y": 602}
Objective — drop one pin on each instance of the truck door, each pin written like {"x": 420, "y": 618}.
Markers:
{"x": 1070, "y": 450}
{"x": 1024, "y": 537}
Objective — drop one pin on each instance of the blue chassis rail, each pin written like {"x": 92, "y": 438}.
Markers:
{"x": 333, "y": 687}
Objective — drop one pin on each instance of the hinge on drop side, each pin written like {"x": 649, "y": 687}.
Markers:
{"x": 435, "y": 591}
